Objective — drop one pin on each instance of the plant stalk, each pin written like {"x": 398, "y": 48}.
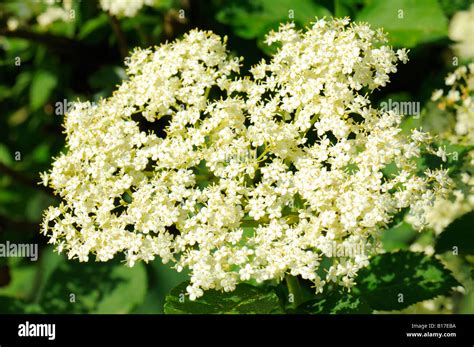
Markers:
{"x": 294, "y": 290}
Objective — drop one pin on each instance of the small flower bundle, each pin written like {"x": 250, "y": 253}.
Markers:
{"x": 459, "y": 100}
{"x": 458, "y": 106}
{"x": 253, "y": 177}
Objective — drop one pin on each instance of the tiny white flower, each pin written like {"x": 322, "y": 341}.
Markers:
{"x": 436, "y": 94}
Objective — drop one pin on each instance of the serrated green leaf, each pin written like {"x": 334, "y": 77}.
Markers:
{"x": 409, "y": 22}
{"x": 97, "y": 288}
{"x": 393, "y": 281}
{"x": 245, "y": 299}
{"x": 335, "y": 303}
{"x": 458, "y": 236}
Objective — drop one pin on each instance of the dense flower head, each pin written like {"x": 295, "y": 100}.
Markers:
{"x": 254, "y": 177}
{"x": 126, "y": 8}
{"x": 53, "y": 11}
{"x": 461, "y": 31}
{"x": 458, "y": 102}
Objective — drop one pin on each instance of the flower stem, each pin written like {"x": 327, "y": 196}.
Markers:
{"x": 207, "y": 92}
{"x": 294, "y": 290}
{"x": 121, "y": 39}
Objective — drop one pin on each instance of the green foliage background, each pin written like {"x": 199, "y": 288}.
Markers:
{"x": 83, "y": 59}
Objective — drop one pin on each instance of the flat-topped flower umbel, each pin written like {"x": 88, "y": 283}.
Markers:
{"x": 254, "y": 177}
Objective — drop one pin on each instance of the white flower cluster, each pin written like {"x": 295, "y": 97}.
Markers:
{"x": 459, "y": 101}
{"x": 461, "y": 30}
{"x": 125, "y": 8}
{"x": 62, "y": 10}
{"x": 56, "y": 11}
{"x": 253, "y": 177}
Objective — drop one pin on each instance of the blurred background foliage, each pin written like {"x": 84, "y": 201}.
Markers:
{"x": 46, "y": 64}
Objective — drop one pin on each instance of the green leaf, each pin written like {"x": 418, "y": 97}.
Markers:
{"x": 23, "y": 80}
{"x": 94, "y": 288}
{"x": 49, "y": 262}
{"x": 13, "y": 305}
{"x": 253, "y": 19}
{"x": 36, "y": 205}
{"x": 5, "y": 92}
{"x": 398, "y": 237}
{"x": 21, "y": 285}
{"x": 450, "y": 7}
{"x": 42, "y": 85}
{"x": 106, "y": 78}
{"x": 18, "y": 117}
{"x": 467, "y": 303}
{"x": 458, "y": 159}
{"x": 393, "y": 281}
{"x": 162, "y": 280}
{"x": 5, "y": 155}
{"x": 90, "y": 29}
{"x": 336, "y": 302}
{"x": 343, "y": 8}
{"x": 245, "y": 299}
{"x": 42, "y": 153}
{"x": 409, "y": 22}
{"x": 458, "y": 236}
